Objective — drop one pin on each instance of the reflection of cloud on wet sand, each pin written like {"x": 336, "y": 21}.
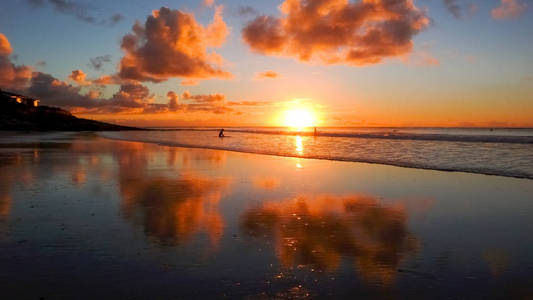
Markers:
{"x": 320, "y": 231}
{"x": 173, "y": 210}
{"x": 171, "y": 207}
{"x": 266, "y": 183}
{"x": 497, "y": 260}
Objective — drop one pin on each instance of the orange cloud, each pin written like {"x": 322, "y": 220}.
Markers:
{"x": 338, "y": 31}
{"x": 267, "y": 75}
{"x": 460, "y": 8}
{"x": 106, "y": 79}
{"x": 189, "y": 82}
{"x": 172, "y": 44}
{"x": 214, "y": 103}
{"x": 509, "y": 9}
{"x": 11, "y": 76}
{"x": 172, "y": 101}
{"x": 5, "y": 46}
{"x": 209, "y": 98}
{"x": 78, "y": 76}
{"x": 131, "y": 98}
{"x": 209, "y": 3}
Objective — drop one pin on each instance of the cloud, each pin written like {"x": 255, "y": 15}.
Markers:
{"x": 189, "y": 82}
{"x": 98, "y": 62}
{"x": 509, "y": 9}
{"x": 217, "y": 31}
{"x": 248, "y": 103}
{"x": 422, "y": 59}
{"x": 78, "y": 76}
{"x": 78, "y": 10}
{"x": 11, "y": 76}
{"x": 215, "y": 103}
{"x": 209, "y": 98}
{"x": 172, "y": 44}
{"x": 209, "y": 3}
{"x": 173, "y": 101}
{"x": 247, "y": 11}
{"x": 131, "y": 98}
{"x": 453, "y": 7}
{"x": 338, "y": 32}
{"x": 55, "y": 92}
{"x": 5, "y": 46}
{"x": 267, "y": 75}
{"x": 115, "y": 18}
{"x": 106, "y": 80}
{"x": 460, "y": 8}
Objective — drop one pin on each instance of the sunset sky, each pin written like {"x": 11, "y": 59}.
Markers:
{"x": 236, "y": 62}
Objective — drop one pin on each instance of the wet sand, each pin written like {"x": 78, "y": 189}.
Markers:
{"x": 84, "y": 217}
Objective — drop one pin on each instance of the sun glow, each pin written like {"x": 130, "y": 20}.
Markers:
{"x": 299, "y": 118}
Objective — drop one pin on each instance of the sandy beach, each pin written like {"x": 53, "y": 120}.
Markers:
{"x": 78, "y": 211}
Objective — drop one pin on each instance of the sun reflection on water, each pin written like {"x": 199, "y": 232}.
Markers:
{"x": 298, "y": 143}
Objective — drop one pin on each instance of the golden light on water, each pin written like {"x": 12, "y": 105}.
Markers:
{"x": 299, "y": 145}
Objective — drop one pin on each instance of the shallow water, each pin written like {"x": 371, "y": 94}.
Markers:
{"x": 82, "y": 216}
{"x": 505, "y": 152}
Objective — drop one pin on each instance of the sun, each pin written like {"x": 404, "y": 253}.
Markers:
{"x": 299, "y": 118}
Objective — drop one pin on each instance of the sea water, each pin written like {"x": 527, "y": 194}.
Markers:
{"x": 500, "y": 151}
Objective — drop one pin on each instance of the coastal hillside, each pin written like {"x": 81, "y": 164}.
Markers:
{"x": 22, "y": 113}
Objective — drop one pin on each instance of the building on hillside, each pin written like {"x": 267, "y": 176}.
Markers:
{"x": 15, "y": 98}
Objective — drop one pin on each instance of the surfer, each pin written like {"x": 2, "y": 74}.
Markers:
{"x": 221, "y": 133}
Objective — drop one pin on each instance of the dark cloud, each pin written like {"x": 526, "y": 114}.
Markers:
{"x": 172, "y": 44}
{"x": 247, "y": 11}
{"x": 55, "y": 92}
{"x": 78, "y": 10}
{"x": 333, "y": 31}
{"x": 115, "y": 18}
{"x": 453, "y": 7}
{"x": 460, "y": 8}
{"x": 98, "y": 62}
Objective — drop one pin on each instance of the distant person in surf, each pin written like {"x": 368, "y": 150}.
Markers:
{"x": 316, "y": 132}
{"x": 221, "y": 133}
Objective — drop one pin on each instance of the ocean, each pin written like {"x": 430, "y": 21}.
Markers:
{"x": 498, "y": 151}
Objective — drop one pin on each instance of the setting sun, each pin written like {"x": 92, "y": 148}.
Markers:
{"x": 299, "y": 118}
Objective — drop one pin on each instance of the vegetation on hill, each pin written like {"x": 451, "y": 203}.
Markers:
{"x": 16, "y": 116}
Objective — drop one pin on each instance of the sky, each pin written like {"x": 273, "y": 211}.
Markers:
{"x": 248, "y": 63}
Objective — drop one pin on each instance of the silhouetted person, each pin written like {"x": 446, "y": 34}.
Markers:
{"x": 221, "y": 133}
{"x": 316, "y": 132}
